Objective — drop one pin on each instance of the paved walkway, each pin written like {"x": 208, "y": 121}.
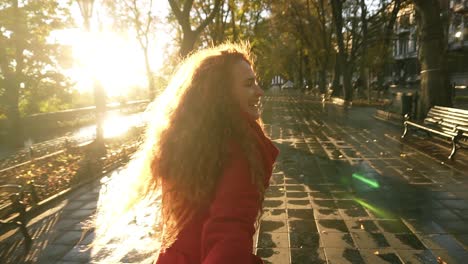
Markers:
{"x": 345, "y": 190}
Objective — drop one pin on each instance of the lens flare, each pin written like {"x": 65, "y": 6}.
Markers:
{"x": 374, "y": 209}
{"x": 371, "y": 183}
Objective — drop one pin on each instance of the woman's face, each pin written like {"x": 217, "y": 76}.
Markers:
{"x": 246, "y": 90}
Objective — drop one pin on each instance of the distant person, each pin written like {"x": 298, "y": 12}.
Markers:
{"x": 206, "y": 160}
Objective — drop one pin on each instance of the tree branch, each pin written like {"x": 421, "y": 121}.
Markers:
{"x": 177, "y": 13}
{"x": 209, "y": 18}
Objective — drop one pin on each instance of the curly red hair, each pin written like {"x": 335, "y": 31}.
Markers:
{"x": 190, "y": 125}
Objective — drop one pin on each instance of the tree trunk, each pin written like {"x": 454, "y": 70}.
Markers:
{"x": 325, "y": 37}
{"x": 14, "y": 79}
{"x": 149, "y": 76}
{"x": 183, "y": 17}
{"x": 323, "y": 81}
{"x": 337, "y": 8}
{"x": 188, "y": 42}
{"x": 100, "y": 103}
{"x": 347, "y": 87}
{"x": 301, "y": 60}
{"x": 336, "y": 85}
{"x": 435, "y": 88}
{"x": 233, "y": 21}
{"x": 364, "y": 69}
{"x": 14, "y": 126}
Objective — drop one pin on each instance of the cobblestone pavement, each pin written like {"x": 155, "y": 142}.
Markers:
{"x": 56, "y": 233}
{"x": 345, "y": 190}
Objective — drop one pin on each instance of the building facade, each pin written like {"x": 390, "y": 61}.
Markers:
{"x": 405, "y": 71}
{"x": 458, "y": 44}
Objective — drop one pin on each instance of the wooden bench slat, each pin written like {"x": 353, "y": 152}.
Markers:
{"x": 446, "y": 126}
{"x": 450, "y": 116}
{"x": 442, "y": 123}
{"x": 446, "y": 122}
{"x": 451, "y": 109}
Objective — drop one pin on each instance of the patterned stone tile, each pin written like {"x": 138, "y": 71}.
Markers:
{"x": 332, "y": 225}
{"x": 274, "y": 204}
{"x": 380, "y": 256}
{"x": 297, "y": 195}
{"x": 273, "y": 240}
{"x": 298, "y": 204}
{"x": 336, "y": 240}
{"x": 321, "y": 195}
{"x": 343, "y": 255}
{"x": 307, "y": 256}
{"x": 393, "y": 226}
{"x": 366, "y": 240}
{"x": 274, "y": 214}
{"x": 274, "y": 255}
{"x": 404, "y": 241}
{"x": 302, "y": 226}
{"x": 327, "y": 214}
{"x": 304, "y": 240}
{"x": 362, "y": 225}
{"x": 302, "y": 214}
{"x": 269, "y": 226}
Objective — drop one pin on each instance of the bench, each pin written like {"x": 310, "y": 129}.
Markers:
{"x": 447, "y": 122}
{"x": 13, "y": 214}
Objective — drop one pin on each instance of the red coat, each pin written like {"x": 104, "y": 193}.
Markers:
{"x": 224, "y": 234}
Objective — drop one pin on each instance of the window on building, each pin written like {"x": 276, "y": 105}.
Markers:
{"x": 465, "y": 28}
{"x": 411, "y": 44}
{"x": 405, "y": 21}
{"x": 403, "y": 49}
{"x": 457, "y": 23}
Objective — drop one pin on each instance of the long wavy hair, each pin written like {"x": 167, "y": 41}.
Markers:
{"x": 189, "y": 127}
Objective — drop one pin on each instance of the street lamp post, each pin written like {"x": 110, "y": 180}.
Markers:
{"x": 86, "y": 9}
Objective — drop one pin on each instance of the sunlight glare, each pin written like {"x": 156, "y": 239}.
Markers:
{"x": 111, "y": 60}
{"x": 137, "y": 227}
{"x": 115, "y": 61}
{"x": 114, "y": 125}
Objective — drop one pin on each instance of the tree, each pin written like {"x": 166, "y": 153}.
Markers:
{"x": 236, "y": 20}
{"x": 182, "y": 12}
{"x": 337, "y": 8}
{"x": 27, "y": 59}
{"x": 216, "y": 32}
{"x": 311, "y": 21}
{"x": 276, "y": 45}
{"x": 432, "y": 56}
{"x": 365, "y": 37}
{"x": 380, "y": 36}
{"x": 137, "y": 15}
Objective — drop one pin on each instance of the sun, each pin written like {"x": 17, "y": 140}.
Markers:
{"x": 108, "y": 58}
{"x": 114, "y": 61}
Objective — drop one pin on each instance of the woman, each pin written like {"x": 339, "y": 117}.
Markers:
{"x": 207, "y": 159}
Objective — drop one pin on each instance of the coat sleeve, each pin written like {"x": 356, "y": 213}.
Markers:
{"x": 227, "y": 235}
